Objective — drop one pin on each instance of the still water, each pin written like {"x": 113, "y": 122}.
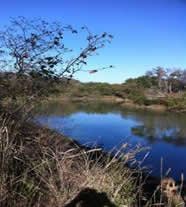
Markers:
{"x": 108, "y": 126}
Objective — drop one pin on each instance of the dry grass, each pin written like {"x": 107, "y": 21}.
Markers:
{"x": 40, "y": 168}
{"x": 75, "y": 171}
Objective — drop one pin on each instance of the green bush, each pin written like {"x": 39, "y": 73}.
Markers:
{"x": 143, "y": 81}
{"x": 177, "y": 104}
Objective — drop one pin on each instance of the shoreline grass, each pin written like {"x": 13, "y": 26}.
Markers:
{"x": 40, "y": 167}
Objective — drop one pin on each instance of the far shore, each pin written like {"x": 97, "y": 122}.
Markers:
{"x": 125, "y": 103}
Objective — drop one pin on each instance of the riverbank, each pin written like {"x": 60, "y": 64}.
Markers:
{"x": 125, "y": 103}
{"x": 43, "y": 168}
{"x": 53, "y": 170}
{"x": 133, "y": 93}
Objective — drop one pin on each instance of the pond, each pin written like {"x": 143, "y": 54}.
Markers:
{"x": 108, "y": 126}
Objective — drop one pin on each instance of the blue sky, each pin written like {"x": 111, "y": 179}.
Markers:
{"x": 147, "y": 33}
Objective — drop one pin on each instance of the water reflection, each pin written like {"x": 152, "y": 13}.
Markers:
{"x": 171, "y": 135}
{"x": 169, "y": 127}
{"x": 68, "y": 108}
{"x": 109, "y": 125}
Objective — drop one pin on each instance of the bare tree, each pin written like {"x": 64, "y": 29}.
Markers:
{"x": 36, "y": 49}
{"x": 183, "y": 77}
{"x": 170, "y": 79}
{"x": 173, "y": 79}
{"x": 159, "y": 73}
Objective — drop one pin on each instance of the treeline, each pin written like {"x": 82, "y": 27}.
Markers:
{"x": 166, "y": 81}
{"x": 32, "y": 66}
{"x": 158, "y": 86}
{"x": 34, "y": 61}
{"x": 169, "y": 80}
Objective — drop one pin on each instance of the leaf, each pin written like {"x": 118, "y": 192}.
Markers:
{"x": 43, "y": 67}
{"x": 111, "y": 36}
{"x": 83, "y": 62}
{"x": 93, "y": 71}
{"x": 104, "y": 34}
{"x": 25, "y": 55}
{"x": 74, "y": 31}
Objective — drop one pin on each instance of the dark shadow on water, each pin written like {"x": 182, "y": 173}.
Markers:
{"x": 90, "y": 198}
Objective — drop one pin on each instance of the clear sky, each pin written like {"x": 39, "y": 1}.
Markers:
{"x": 147, "y": 33}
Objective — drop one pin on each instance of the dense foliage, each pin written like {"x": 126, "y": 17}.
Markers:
{"x": 143, "y": 90}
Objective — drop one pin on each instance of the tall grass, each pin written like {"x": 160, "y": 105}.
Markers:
{"x": 37, "y": 170}
{"x": 39, "y": 167}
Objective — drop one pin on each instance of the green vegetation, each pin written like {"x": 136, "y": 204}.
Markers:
{"x": 166, "y": 90}
{"x": 31, "y": 53}
{"x": 38, "y": 166}
{"x": 177, "y": 104}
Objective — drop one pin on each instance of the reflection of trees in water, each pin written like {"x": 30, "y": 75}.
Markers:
{"x": 68, "y": 108}
{"x": 166, "y": 127}
{"x": 174, "y": 136}
{"x": 169, "y": 127}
